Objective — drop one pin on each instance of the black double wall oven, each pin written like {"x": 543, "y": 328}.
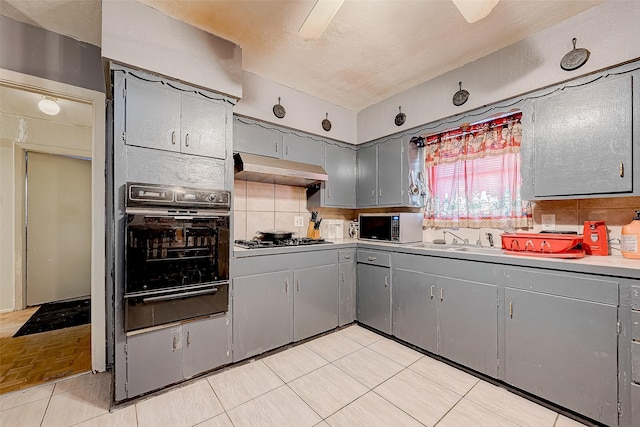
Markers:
{"x": 176, "y": 254}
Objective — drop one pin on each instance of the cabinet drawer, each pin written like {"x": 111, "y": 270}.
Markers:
{"x": 374, "y": 258}
{"x": 566, "y": 285}
{"x": 635, "y": 297}
{"x": 635, "y": 325}
{"x": 347, "y": 255}
{"x": 635, "y": 361}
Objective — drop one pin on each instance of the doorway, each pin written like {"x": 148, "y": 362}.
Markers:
{"x": 58, "y": 228}
{"x": 18, "y": 136}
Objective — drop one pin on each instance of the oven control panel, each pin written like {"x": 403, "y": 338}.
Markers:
{"x": 151, "y": 194}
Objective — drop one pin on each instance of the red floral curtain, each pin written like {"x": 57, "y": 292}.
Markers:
{"x": 474, "y": 176}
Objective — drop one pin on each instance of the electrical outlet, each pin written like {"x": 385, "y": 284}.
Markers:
{"x": 298, "y": 221}
{"x": 549, "y": 222}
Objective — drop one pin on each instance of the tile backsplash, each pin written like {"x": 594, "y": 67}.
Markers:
{"x": 261, "y": 206}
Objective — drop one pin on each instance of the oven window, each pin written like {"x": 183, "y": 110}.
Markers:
{"x": 168, "y": 252}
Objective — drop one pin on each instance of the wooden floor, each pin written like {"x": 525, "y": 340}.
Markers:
{"x": 38, "y": 358}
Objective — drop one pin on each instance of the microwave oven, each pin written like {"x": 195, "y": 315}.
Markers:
{"x": 402, "y": 227}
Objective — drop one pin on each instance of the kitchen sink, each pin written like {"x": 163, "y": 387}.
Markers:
{"x": 476, "y": 250}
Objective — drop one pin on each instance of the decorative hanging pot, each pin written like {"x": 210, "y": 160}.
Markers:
{"x": 575, "y": 58}
{"x": 461, "y": 96}
{"x": 278, "y": 110}
{"x": 326, "y": 124}
{"x": 400, "y": 117}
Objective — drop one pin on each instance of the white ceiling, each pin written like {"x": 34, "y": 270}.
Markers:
{"x": 373, "y": 49}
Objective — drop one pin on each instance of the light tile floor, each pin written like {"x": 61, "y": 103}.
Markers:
{"x": 351, "y": 377}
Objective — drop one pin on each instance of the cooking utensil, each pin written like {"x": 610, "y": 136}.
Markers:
{"x": 400, "y": 117}
{"x": 461, "y": 96}
{"x": 272, "y": 235}
{"x": 326, "y": 124}
{"x": 317, "y": 224}
{"x": 575, "y": 58}
{"x": 278, "y": 110}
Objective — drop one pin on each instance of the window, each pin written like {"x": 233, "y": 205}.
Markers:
{"x": 473, "y": 175}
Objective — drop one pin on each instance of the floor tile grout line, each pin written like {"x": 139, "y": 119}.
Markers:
{"x": 458, "y": 402}
{"x": 306, "y": 403}
{"x": 44, "y": 414}
{"x": 397, "y": 407}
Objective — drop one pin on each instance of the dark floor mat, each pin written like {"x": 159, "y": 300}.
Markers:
{"x": 57, "y": 315}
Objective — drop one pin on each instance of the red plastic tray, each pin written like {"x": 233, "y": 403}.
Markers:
{"x": 540, "y": 242}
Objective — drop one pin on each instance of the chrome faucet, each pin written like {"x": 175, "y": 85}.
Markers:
{"x": 490, "y": 237}
{"x": 455, "y": 237}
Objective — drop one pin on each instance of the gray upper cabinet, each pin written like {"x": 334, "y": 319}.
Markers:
{"x": 383, "y": 174}
{"x": 203, "y": 127}
{"x": 158, "y": 116}
{"x": 262, "y": 313}
{"x": 302, "y": 149}
{"x": 580, "y": 141}
{"x": 256, "y": 139}
{"x": 561, "y": 340}
{"x": 340, "y": 189}
{"x": 390, "y": 172}
{"x": 367, "y": 185}
{"x": 315, "y": 304}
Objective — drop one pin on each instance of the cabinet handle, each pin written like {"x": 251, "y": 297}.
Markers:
{"x": 186, "y": 140}
{"x": 386, "y": 281}
{"x": 173, "y": 137}
{"x": 286, "y": 286}
{"x": 347, "y": 257}
{"x": 621, "y": 170}
{"x": 188, "y": 338}
{"x": 441, "y": 294}
{"x": 175, "y": 342}
{"x": 371, "y": 258}
{"x": 286, "y": 149}
{"x": 373, "y": 194}
{"x": 298, "y": 285}
{"x": 342, "y": 276}
{"x": 511, "y": 309}
{"x": 432, "y": 291}
{"x": 276, "y": 147}
{"x": 380, "y": 193}
{"x": 329, "y": 193}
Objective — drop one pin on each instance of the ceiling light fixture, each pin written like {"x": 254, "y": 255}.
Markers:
{"x": 475, "y": 10}
{"x": 49, "y": 106}
{"x": 319, "y": 19}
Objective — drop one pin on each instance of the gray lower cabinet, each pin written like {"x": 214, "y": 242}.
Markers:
{"x": 454, "y": 318}
{"x": 346, "y": 287}
{"x": 563, "y": 350}
{"x": 262, "y": 313}
{"x": 374, "y": 296}
{"x": 635, "y": 404}
{"x": 467, "y": 323}
{"x": 165, "y": 356}
{"x": 315, "y": 303}
{"x": 415, "y": 310}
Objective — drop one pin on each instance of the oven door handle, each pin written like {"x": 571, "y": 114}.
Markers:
{"x": 182, "y": 295}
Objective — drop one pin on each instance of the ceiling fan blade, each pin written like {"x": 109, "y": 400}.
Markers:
{"x": 319, "y": 19}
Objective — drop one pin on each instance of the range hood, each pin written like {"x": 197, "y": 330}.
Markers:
{"x": 252, "y": 167}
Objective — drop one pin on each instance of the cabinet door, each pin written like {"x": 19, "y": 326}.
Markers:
{"x": 583, "y": 140}
{"x": 203, "y": 127}
{"x": 340, "y": 166}
{"x": 347, "y": 299}
{"x": 468, "y": 323}
{"x": 315, "y": 304}
{"x": 152, "y": 115}
{"x": 415, "y": 309}
{"x": 262, "y": 313}
{"x": 390, "y": 170}
{"x": 374, "y": 297}
{"x": 366, "y": 191}
{"x": 154, "y": 360}
{"x": 256, "y": 139}
{"x": 206, "y": 345}
{"x": 302, "y": 149}
{"x": 563, "y": 350}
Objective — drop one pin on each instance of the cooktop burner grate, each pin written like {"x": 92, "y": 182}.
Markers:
{"x": 297, "y": 241}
